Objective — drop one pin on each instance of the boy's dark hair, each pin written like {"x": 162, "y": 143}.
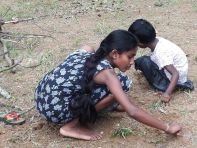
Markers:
{"x": 143, "y": 30}
{"x": 122, "y": 41}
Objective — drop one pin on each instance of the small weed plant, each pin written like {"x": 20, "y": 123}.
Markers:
{"x": 122, "y": 132}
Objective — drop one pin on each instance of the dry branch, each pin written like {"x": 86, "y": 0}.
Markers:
{"x": 31, "y": 66}
{"x": 3, "y": 54}
{"x": 16, "y": 20}
{"x": 36, "y": 35}
{"x": 20, "y": 36}
{"x": 11, "y": 67}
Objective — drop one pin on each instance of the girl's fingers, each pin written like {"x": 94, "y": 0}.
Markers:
{"x": 179, "y": 134}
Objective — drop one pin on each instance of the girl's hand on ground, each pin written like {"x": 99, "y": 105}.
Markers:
{"x": 173, "y": 129}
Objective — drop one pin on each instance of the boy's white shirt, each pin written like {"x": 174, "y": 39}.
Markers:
{"x": 166, "y": 53}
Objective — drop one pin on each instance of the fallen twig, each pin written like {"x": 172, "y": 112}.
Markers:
{"x": 31, "y": 66}
{"x": 16, "y": 20}
{"x": 36, "y": 35}
{"x": 17, "y": 63}
{"x": 10, "y": 106}
{"x": 3, "y": 53}
{"x": 10, "y": 34}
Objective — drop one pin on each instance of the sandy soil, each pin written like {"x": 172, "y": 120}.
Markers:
{"x": 71, "y": 24}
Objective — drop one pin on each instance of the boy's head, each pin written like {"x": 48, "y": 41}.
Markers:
{"x": 144, "y": 31}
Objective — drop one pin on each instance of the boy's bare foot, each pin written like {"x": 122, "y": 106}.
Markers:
{"x": 73, "y": 129}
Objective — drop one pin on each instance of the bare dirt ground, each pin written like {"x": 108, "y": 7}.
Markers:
{"x": 71, "y": 24}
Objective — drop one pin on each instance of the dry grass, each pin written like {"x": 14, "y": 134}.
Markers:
{"x": 74, "y": 23}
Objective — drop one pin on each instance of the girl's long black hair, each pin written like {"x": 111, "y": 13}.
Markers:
{"x": 83, "y": 106}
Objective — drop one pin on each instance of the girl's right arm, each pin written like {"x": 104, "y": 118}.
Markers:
{"x": 109, "y": 78}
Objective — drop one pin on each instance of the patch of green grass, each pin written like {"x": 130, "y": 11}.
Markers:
{"x": 28, "y": 9}
{"x": 194, "y": 4}
{"x": 158, "y": 105}
{"x": 68, "y": 146}
{"x": 158, "y": 3}
{"x": 12, "y": 49}
{"x": 19, "y": 10}
{"x": 195, "y": 58}
{"x": 122, "y": 132}
{"x": 6, "y": 13}
{"x": 46, "y": 59}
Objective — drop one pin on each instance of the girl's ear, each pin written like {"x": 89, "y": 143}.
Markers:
{"x": 114, "y": 54}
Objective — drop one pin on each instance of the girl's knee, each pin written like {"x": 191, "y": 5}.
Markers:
{"x": 88, "y": 48}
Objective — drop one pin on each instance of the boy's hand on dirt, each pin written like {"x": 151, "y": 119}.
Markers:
{"x": 165, "y": 97}
{"x": 173, "y": 129}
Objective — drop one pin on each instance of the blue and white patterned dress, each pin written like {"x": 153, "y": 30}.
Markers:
{"x": 56, "y": 90}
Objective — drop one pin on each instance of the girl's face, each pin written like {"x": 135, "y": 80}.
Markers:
{"x": 124, "y": 60}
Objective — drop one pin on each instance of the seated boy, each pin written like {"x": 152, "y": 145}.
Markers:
{"x": 166, "y": 68}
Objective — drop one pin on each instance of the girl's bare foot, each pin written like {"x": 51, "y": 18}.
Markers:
{"x": 88, "y": 48}
{"x": 73, "y": 129}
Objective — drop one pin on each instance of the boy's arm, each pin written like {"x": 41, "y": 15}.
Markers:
{"x": 173, "y": 81}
